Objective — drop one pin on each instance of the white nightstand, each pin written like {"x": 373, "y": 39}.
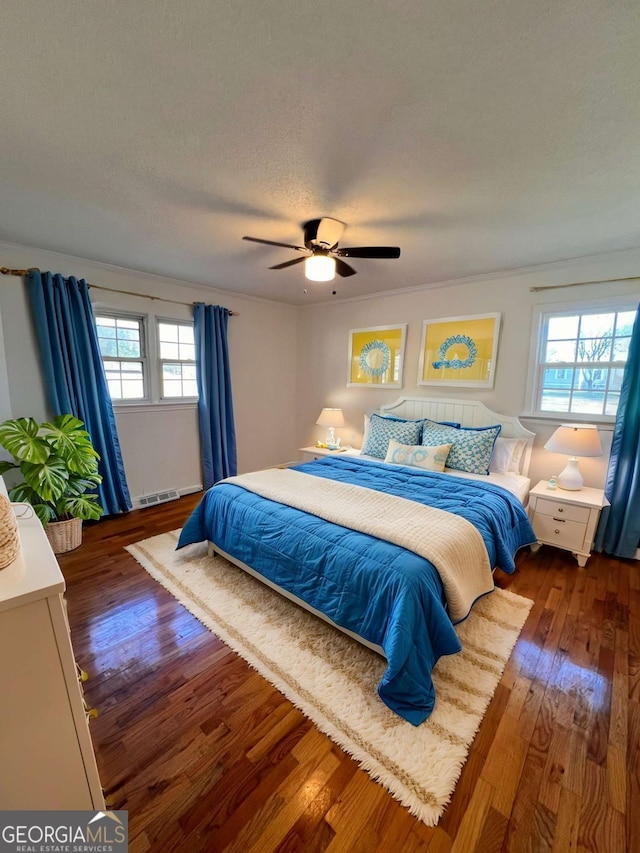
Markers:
{"x": 566, "y": 519}
{"x": 308, "y": 454}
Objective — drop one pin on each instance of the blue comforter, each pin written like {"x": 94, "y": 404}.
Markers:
{"x": 387, "y": 595}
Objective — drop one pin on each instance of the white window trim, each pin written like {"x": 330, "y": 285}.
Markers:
{"x": 171, "y": 401}
{"x": 142, "y": 319}
{"x": 625, "y": 302}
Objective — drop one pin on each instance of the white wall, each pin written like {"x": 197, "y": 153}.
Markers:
{"x": 26, "y": 389}
{"x": 5, "y": 398}
{"x": 160, "y": 443}
{"x": 287, "y": 363}
{"x": 323, "y": 341}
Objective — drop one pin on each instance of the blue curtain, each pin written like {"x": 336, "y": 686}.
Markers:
{"x": 74, "y": 375}
{"x": 619, "y": 528}
{"x": 215, "y": 405}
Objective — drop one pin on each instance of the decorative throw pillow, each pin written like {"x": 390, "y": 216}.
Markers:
{"x": 382, "y": 430}
{"x": 367, "y": 422}
{"x": 507, "y": 455}
{"x": 471, "y": 447}
{"x": 419, "y": 456}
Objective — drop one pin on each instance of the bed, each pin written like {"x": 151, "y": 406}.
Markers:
{"x": 393, "y": 554}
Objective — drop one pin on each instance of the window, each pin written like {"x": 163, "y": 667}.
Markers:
{"x": 582, "y": 355}
{"x": 177, "y": 360}
{"x": 122, "y": 346}
{"x": 129, "y": 343}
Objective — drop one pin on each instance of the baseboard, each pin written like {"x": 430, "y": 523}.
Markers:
{"x": 190, "y": 490}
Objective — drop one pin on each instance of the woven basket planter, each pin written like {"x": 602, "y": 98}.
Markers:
{"x": 9, "y": 536}
{"x": 64, "y": 536}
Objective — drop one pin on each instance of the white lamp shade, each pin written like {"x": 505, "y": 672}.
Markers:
{"x": 574, "y": 440}
{"x": 320, "y": 268}
{"x": 331, "y": 418}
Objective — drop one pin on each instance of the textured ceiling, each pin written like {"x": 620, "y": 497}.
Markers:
{"x": 477, "y": 135}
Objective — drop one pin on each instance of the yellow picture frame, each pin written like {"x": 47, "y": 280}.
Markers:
{"x": 376, "y": 357}
{"x": 460, "y": 351}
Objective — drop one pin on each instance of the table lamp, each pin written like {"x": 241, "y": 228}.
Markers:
{"x": 331, "y": 418}
{"x": 575, "y": 440}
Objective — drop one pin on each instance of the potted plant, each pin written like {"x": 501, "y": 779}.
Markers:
{"x": 59, "y": 466}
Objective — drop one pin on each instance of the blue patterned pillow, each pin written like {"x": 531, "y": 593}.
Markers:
{"x": 382, "y": 430}
{"x": 367, "y": 421}
{"x": 471, "y": 447}
{"x": 426, "y": 421}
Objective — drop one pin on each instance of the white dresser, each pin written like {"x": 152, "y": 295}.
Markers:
{"x": 46, "y": 755}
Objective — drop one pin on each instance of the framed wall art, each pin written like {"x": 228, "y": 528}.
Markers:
{"x": 459, "y": 351}
{"x": 376, "y": 357}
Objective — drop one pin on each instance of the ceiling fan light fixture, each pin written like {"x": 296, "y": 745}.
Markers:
{"x": 320, "y": 268}
{"x": 324, "y": 259}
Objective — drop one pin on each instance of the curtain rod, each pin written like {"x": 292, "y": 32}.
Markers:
{"x": 7, "y": 271}
{"x": 578, "y": 283}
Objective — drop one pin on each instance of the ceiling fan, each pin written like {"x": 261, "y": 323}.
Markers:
{"x": 322, "y": 257}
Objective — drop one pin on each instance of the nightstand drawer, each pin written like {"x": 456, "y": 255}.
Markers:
{"x": 307, "y": 456}
{"x": 563, "y": 533}
{"x": 547, "y": 506}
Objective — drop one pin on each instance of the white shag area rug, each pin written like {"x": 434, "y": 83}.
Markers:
{"x": 332, "y": 678}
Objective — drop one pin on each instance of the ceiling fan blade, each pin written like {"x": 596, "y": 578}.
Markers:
{"x": 273, "y": 243}
{"x": 343, "y": 269}
{"x": 288, "y": 264}
{"x": 369, "y": 252}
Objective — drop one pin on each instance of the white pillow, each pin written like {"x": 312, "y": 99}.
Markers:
{"x": 365, "y": 432}
{"x": 507, "y": 455}
{"x": 419, "y": 456}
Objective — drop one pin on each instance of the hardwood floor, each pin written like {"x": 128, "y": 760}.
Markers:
{"x": 207, "y": 756}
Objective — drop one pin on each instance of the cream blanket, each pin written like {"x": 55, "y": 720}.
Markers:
{"x": 450, "y": 542}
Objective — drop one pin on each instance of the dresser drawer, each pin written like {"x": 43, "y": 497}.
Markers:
{"x": 547, "y": 506}
{"x": 563, "y": 533}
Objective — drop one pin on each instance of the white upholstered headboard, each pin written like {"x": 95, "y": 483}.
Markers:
{"x": 468, "y": 413}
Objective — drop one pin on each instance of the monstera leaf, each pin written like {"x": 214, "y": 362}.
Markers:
{"x": 68, "y": 439}
{"x": 49, "y": 479}
{"x": 79, "y": 485}
{"x": 21, "y": 438}
{"x": 25, "y": 494}
{"x": 85, "y": 507}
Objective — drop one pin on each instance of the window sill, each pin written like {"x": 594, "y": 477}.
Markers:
{"x": 605, "y": 422}
{"x": 164, "y": 406}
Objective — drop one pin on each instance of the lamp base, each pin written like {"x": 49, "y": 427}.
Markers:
{"x": 332, "y": 442}
{"x": 571, "y": 479}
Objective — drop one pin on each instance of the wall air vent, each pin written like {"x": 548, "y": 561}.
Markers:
{"x": 157, "y": 498}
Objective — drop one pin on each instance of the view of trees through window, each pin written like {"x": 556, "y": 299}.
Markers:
{"x": 121, "y": 345}
{"x": 582, "y": 361}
